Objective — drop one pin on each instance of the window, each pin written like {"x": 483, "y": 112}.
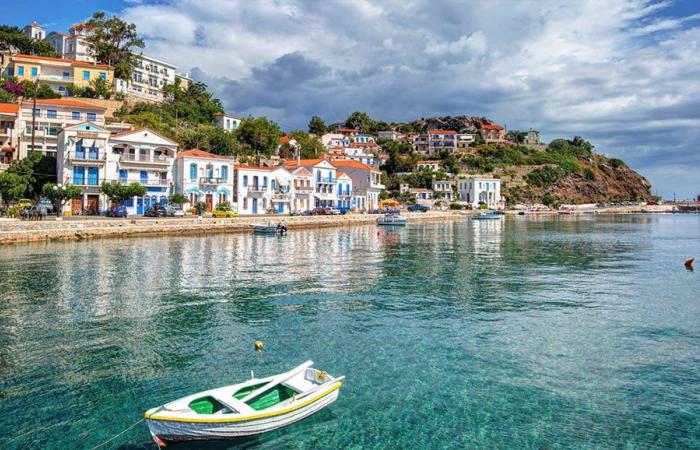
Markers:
{"x": 61, "y": 89}
{"x": 245, "y": 180}
{"x": 123, "y": 175}
{"x": 66, "y": 74}
{"x": 20, "y": 71}
{"x": 51, "y": 113}
{"x": 37, "y": 112}
{"x": 86, "y": 74}
{"x": 78, "y": 175}
{"x": 75, "y": 115}
{"x": 224, "y": 173}
{"x": 144, "y": 177}
{"x": 93, "y": 176}
{"x": 91, "y": 116}
{"x": 35, "y": 71}
{"x": 103, "y": 75}
{"x": 265, "y": 182}
{"x": 245, "y": 203}
{"x": 193, "y": 171}
{"x": 273, "y": 184}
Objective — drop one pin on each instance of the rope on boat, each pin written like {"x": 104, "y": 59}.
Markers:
{"x": 117, "y": 435}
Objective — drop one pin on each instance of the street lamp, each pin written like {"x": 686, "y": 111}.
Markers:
{"x": 58, "y": 189}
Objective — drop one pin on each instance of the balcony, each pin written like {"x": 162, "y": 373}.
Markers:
{"x": 281, "y": 196}
{"x": 56, "y": 78}
{"x": 256, "y": 191}
{"x": 87, "y": 157}
{"x": 303, "y": 189}
{"x": 326, "y": 180}
{"x": 145, "y": 159}
{"x": 212, "y": 181}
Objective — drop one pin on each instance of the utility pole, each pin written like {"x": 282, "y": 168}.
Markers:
{"x": 36, "y": 87}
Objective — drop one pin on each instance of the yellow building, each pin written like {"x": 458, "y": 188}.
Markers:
{"x": 59, "y": 74}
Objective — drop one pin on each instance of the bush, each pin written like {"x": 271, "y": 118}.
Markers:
{"x": 548, "y": 200}
{"x": 617, "y": 163}
{"x": 545, "y": 176}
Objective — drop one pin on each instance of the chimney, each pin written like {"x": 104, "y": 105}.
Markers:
{"x": 298, "y": 156}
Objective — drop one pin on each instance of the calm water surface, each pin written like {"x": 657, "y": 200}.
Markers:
{"x": 523, "y": 333}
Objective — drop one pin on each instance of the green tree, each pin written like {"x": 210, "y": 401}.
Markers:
{"x": 100, "y": 88}
{"x": 317, "y": 126}
{"x": 259, "y": 134}
{"x": 208, "y": 138}
{"x": 516, "y": 136}
{"x": 309, "y": 146}
{"x": 178, "y": 199}
{"x": 360, "y": 121}
{"x": 12, "y": 186}
{"x": 60, "y": 194}
{"x": 13, "y": 40}
{"x": 118, "y": 192}
{"x": 113, "y": 41}
{"x": 35, "y": 170}
{"x": 41, "y": 90}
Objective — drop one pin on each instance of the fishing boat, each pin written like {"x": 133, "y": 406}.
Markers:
{"x": 488, "y": 215}
{"x": 392, "y": 219}
{"x": 269, "y": 228}
{"x": 253, "y": 407}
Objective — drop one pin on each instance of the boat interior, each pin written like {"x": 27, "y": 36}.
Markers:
{"x": 255, "y": 395}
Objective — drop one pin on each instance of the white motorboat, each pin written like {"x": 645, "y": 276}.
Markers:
{"x": 253, "y": 407}
{"x": 488, "y": 215}
{"x": 392, "y": 219}
{"x": 269, "y": 228}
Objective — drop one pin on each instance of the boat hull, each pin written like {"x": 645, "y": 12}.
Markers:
{"x": 264, "y": 229}
{"x": 177, "y": 431}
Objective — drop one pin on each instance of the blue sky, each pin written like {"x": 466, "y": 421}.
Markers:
{"x": 622, "y": 73}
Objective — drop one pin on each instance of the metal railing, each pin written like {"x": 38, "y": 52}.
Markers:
{"x": 100, "y": 157}
{"x": 136, "y": 158}
{"x": 212, "y": 180}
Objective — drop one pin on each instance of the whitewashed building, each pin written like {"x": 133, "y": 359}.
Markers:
{"x": 366, "y": 183}
{"x": 204, "y": 177}
{"x": 253, "y": 194}
{"x": 226, "y": 122}
{"x": 324, "y": 179}
{"x": 443, "y": 189}
{"x": 148, "y": 79}
{"x": 145, "y": 157}
{"x": 50, "y": 117}
{"x": 302, "y": 190}
{"x": 83, "y": 160}
{"x": 476, "y": 190}
{"x": 330, "y": 140}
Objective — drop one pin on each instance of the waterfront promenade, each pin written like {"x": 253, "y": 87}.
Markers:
{"x": 16, "y": 231}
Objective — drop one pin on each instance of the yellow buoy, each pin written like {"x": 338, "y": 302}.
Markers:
{"x": 259, "y": 346}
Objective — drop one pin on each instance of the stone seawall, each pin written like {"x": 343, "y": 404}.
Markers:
{"x": 16, "y": 231}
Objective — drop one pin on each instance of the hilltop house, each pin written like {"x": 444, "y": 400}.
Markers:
{"x": 225, "y": 121}
{"x": 492, "y": 133}
{"x": 428, "y": 164}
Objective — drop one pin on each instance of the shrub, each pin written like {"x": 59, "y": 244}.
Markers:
{"x": 548, "y": 200}
{"x": 545, "y": 176}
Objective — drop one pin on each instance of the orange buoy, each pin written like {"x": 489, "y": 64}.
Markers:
{"x": 689, "y": 263}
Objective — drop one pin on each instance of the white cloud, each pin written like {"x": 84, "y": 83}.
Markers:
{"x": 613, "y": 71}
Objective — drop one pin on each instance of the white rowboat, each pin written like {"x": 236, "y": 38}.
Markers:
{"x": 392, "y": 219}
{"x": 253, "y": 407}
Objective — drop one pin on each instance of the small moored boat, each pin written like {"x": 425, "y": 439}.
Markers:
{"x": 392, "y": 219}
{"x": 269, "y": 228}
{"x": 245, "y": 409}
{"x": 488, "y": 215}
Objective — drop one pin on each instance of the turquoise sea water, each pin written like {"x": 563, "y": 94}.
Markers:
{"x": 523, "y": 333}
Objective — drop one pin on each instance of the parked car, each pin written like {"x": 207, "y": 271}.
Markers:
{"x": 117, "y": 211}
{"x": 418, "y": 208}
{"x": 321, "y": 211}
{"x": 175, "y": 212}
{"x": 224, "y": 211}
{"x": 335, "y": 211}
{"x": 47, "y": 204}
{"x": 156, "y": 211}
{"x": 36, "y": 212}
{"x": 24, "y": 203}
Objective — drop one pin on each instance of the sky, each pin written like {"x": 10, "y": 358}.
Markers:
{"x": 624, "y": 74}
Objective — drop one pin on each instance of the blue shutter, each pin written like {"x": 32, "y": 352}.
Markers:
{"x": 93, "y": 176}
{"x": 123, "y": 175}
{"x": 79, "y": 150}
{"x": 79, "y": 175}
{"x": 224, "y": 173}
{"x": 245, "y": 180}
{"x": 91, "y": 116}
{"x": 265, "y": 182}
{"x": 144, "y": 177}
{"x": 193, "y": 171}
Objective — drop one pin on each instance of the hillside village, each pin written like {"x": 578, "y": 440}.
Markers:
{"x": 121, "y": 127}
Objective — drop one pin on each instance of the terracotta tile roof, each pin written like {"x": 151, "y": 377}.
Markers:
{"x": 245, "y": 166}
{"x": 491, "y": 126}
{"x": 197, "y": 153}
{"x": 285, "y": 139}
{"x": 350, "y": 163}
{"x": 441, "y": 132}
{"x": 340, "y": 174}
{"x": 9, "y": 108}
{"x": 302, "y": 172}
{"x": 303, "y": 162}
{"x": 69, "y": 61}
{"x": 63, "y": 102}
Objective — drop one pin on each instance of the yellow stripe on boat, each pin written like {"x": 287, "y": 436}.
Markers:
{"x": 333, "y": 388}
